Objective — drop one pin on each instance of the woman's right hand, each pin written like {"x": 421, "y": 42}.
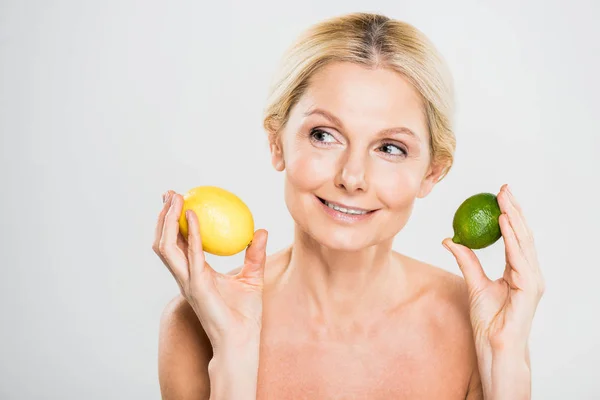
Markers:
{"x": 228, "y": 306}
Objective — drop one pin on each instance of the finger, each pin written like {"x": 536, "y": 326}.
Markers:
{"x": 517, "y": 220}
{"x": 195, "y": 251}
{"x": 182, "y": 243}
{"x": 256, "y": 255}
{"x": 521, "y": 230}
{"x": 517, "y": 206}
{"x": 468, "y": 263}
{"x": 161, "y": 220}
{"x": 513, "y": 278}
{"x": 166, "y": 197}
{"x": 515, "y": 258}
{"x": 174, "y": 256}
{"x": 512, "y": 198}
{"x": 530, "y": 251}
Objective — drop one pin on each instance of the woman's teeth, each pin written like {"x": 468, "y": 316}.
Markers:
{"x": 345, "y": 210}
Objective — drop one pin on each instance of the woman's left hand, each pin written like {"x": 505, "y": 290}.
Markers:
{"x": 502, "y": 310}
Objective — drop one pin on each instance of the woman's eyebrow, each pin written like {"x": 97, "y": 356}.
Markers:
{"x": 399, "y": 130}
{"x": 386, "y": 132}
{"x": 332, "y": 118}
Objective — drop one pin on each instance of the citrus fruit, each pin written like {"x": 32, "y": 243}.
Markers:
{"x": 476, "y": 223}
{"x": 226, "y": 223}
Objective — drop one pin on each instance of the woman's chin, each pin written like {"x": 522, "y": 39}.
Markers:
{"x": 342, "y": 241}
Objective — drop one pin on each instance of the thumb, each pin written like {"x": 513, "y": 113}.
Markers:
{"x": 256, "y": 254}
{"x": 468, "y": 263}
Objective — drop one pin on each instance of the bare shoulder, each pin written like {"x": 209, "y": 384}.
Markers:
{"x": 184, "y": 352}
{"x": 446, "y": 303}
{"x": 446, "y": 290}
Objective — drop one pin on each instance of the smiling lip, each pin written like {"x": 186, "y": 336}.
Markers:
{"x": 360, "y": 214}
{"x": 340, "y": 205}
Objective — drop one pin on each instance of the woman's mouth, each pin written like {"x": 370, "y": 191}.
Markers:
{"x": 345, "y": 212}
{"x": 344, "y": 209}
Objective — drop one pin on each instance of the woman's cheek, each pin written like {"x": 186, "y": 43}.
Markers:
{"x": 310, "y": 171}
{"x": 399, "y": 190}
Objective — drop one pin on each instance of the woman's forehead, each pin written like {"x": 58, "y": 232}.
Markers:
{"x": 344, "y": 79}
{"x": 355, "y": 95}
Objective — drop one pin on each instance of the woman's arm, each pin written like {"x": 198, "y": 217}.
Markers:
{"x": 224, "y": 310}
{"x": 502, "y": 310}
{"x": 475, "y": 391}
{"x": 184, "y": 352}
{"x": 506, "y": 372}
{"x": 187, "y": 367}
{"x": 233, "y": 370}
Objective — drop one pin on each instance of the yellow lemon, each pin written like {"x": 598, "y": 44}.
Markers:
{"x": 226, "y": 223}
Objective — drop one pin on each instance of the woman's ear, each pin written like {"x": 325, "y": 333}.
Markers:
{"x": 434, "y": 172}
{"x": 276, "y": 153}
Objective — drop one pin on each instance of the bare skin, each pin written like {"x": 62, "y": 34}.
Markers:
{"x": 417, "y": 346}
{"x": 339, "y": 314}
{"x": 343, "y": 315}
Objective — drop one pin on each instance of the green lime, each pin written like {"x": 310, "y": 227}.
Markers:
{"x": 476, "y": 222}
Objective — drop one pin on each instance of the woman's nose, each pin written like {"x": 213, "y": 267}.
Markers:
{"x": 352, "y": 174}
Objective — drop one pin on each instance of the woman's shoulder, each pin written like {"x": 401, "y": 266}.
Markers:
{"x": 184, "y": 352}
{"x": 447, "y": 290}
{"x": 444, "y": 310}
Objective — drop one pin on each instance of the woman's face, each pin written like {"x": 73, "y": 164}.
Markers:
{"x": 356, "y": 155}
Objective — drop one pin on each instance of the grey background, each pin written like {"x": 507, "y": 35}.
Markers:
{"x": 105, "y": 105}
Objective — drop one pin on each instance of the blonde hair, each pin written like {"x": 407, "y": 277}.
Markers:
{"x": 372, "y": 40}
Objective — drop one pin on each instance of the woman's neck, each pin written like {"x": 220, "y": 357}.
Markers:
{"x": 340, "y": 286}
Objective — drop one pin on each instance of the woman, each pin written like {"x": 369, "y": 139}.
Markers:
{"x": 360, "y": 121}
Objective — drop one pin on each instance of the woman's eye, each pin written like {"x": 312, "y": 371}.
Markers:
{"x": 322, "y": 136}
{"x": 392, "y": 149}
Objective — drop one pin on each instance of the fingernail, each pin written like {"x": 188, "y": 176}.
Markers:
{"x": 446, "y": 246}
{"x": 164, "y": 197}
